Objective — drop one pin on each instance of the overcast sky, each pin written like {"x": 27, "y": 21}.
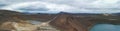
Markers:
{"x": 56, "y": 6}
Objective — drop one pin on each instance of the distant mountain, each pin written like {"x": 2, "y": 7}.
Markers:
{"x": 46, "y": 17}
{"x": 8, "y": 12}
{"x": 116, "y": 14}
{"x": 9, "y": 15}
{"x": 15, "y": 12}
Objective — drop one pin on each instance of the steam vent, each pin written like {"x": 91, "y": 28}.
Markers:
{"x": 63, "y": 21}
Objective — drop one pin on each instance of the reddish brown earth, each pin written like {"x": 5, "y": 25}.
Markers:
{"x": 63, "y": 21}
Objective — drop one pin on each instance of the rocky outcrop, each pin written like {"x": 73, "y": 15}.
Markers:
{"x": 70, "y": 22}
{"x": 26, "y": 26}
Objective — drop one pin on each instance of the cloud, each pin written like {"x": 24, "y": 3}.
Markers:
{"x": 87, "y": 3}
{"x": 51, "y": 8}
{"x": 76, "y": 3}
{"x": 72, "y": 6}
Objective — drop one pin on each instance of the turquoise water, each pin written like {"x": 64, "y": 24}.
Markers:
{"x": 106, "y": 27}
{"x": 98, "y": 27}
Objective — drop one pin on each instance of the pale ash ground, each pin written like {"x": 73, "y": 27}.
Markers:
{"x": 38, "y": 26}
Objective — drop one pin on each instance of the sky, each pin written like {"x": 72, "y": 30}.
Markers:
{"x": 56, "y": 6}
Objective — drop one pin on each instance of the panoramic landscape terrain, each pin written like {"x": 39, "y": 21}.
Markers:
{"x": 59, "y": 15}
{"x": 63, "y": 21}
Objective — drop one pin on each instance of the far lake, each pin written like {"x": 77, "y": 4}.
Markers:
{"x": 106, "y": 27}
